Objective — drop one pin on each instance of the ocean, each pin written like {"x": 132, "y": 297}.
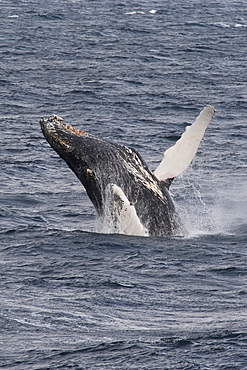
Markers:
{"x": 135, "y": 73}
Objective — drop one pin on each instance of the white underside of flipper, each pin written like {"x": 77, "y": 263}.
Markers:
{"x": 120, "y": 215}
{"x": 179, "y": 156}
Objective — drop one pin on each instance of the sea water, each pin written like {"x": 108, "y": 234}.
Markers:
{"x": 136, "y": 73}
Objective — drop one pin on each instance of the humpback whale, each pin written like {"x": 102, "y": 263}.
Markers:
{"x": 128, "y": 197}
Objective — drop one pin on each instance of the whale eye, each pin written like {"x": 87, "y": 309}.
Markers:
{"x": 89, "y": 172}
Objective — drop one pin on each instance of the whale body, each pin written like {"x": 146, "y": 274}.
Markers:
{"x": 128, "y": 197}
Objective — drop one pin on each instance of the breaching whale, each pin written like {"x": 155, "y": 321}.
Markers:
{"x": 128, "y": 197}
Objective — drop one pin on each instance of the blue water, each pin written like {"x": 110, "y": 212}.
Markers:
{"x": 136, "y": 73}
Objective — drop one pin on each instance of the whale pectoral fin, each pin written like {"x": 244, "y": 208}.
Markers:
{"x": 120, "y": 214}
{"x": 179, "y": 156}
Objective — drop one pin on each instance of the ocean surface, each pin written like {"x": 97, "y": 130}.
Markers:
{"x": 136, "y": 73}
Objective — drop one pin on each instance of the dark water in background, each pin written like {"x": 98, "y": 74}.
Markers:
{"x": 73, "y": 298}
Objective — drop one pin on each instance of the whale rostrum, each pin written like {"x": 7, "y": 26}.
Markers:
{"x": 127, "y": 196}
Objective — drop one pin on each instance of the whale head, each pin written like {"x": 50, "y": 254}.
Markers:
{"x": 76, "y": 148}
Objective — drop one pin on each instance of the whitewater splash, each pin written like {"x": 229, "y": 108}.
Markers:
{"x": 215, "y": 207}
